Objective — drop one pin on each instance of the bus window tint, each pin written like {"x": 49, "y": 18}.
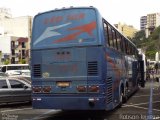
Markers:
{"x": 119, "y": 41}
{"x": 122, "y": 44}
{"x": 127, "y": 47}
{"x": 110, "y": 37}
{"x": 114, "y": 39}
{"x": 106, "y": 33}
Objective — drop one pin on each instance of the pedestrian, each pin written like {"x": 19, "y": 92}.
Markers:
{"x": 156, "y": 68}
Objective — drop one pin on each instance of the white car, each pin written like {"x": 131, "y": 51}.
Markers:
{"x": 2, "y": 74}
{"x": 17, "y": 72}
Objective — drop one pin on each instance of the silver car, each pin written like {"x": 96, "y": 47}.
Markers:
{"x": 14, "y": 90}
{"x": 2, "y": 74}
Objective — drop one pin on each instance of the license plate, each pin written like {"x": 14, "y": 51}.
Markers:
{"x": 63, "y": 84}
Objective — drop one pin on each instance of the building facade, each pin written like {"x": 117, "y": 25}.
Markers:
{"x": 14, "y": 49}
{"x": 19, "y": 26}
{"x": 126, "y": 30}
{"x": 152, "y": 21}
{"x": 15, "y": 35}
{"x": 143, "y": 22}
{"x": 5, "y": 13}
{"x": 19, "y": 50}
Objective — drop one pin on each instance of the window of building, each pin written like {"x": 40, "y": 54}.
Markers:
{"x": 23, "y": 52}
{"x": 23, "y": 45}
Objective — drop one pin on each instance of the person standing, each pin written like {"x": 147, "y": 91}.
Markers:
{"x": 156, "y": 68}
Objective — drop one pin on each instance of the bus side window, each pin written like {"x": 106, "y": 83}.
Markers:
{"x": 114, "y": 39}
{"x": 106, "y": 33}
{"x": 132, "y": 50}
{"x": 123, "y": 45}
{"x": 126, "y": 46}
{"x": 110, "y": 37}
{"x": 119, "y": 42}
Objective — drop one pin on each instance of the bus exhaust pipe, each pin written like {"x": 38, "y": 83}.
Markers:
{"x": 91, "y": 102}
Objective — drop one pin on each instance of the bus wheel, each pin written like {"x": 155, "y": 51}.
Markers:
{"x": 120, "y": 99}
{"x": 125, "y": 96}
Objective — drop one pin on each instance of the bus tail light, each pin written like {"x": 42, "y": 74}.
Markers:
{"x": 81, "y": 88}
{"x": 36, "y": 89}
{"x": 94, "y": 88}
{"x": 47, "y": 89}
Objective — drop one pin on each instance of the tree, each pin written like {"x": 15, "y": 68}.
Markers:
{"x": 155, "y": 34}
{"x": 151, "y": 44}
{"x": 6, "y": 62}
{"x": 139, "y": 37}
{"x": 22, "y": 61}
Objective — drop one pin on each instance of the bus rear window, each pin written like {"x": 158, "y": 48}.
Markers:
{"x": 64, "y": 27}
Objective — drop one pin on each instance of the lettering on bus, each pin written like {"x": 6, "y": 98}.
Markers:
{"x": 75, "y": 16}
{"x": 54, "y": 19}
{"x": 65, "y": 68}
{"x": 58, "y": 19}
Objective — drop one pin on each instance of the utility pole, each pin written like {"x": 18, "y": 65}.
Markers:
{"x": 159, "y": 47}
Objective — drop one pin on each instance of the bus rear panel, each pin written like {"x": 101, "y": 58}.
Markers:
{"x": 67, "y": 61}
{"x": 80, "y": 61}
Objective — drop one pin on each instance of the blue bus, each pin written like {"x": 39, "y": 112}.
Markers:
{"x": 80, "y": 61}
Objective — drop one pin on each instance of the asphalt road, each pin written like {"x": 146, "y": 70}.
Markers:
{"x": 143, "y": 105}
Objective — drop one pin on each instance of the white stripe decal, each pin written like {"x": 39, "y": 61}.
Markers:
{"x": 49, "y": 32}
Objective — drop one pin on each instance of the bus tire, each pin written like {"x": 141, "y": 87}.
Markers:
{"x": 120, "y": 99}
{"x": 125, "y": 96}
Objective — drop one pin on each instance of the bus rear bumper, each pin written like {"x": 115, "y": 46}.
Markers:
{"x": 69, "y": 103}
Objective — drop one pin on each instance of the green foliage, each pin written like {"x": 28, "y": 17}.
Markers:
{"x": 22, "y": 61}
{"x": 139, "y": 37}
{"x": 151, "y": 44}
{"x": 151, "y": 53}
{"x": 155, "y": 34}
{"x": 6, "y": 62}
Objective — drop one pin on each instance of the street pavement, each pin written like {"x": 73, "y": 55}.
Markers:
{"x": 143, "y": 105}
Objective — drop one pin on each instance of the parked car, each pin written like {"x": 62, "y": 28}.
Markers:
{"x": 17, "y": 72}
{"x": 2, "y": 74}
{"x": 22, "y": 74}
{"x": 14, "y": 90}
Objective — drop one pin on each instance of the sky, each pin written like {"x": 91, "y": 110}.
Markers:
{"x": 114, "y": 11}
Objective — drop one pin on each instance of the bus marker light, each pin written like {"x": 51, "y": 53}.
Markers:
{"x": 94, "y": 88}
{"x": 47, "y": 89}
{"x": 81, "y": 88}
{"x": 36, "y": 89}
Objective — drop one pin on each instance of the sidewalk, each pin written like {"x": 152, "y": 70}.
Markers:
{"x": 156, "y": 81}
